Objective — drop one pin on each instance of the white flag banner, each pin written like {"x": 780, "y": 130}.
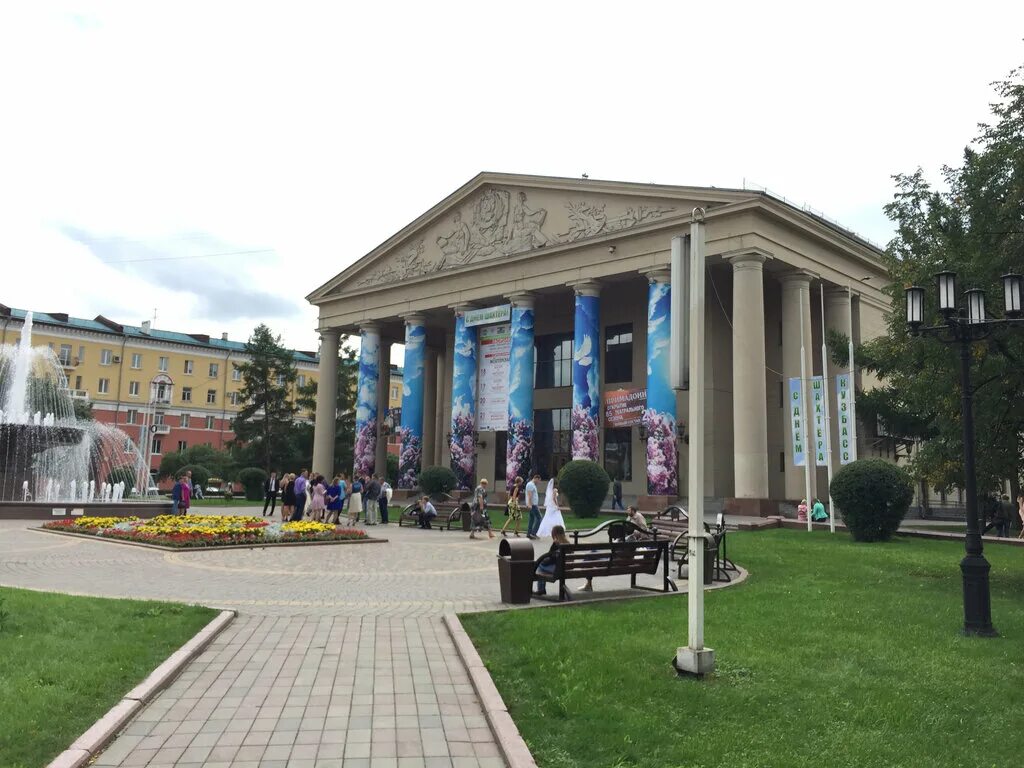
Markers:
{"x": 796, "y": 420}
{"x": 818, "y": 401}
{"x": 844, "y": 417}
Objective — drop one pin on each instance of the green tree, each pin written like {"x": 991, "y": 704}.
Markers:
{"x": 220, "y": 463}
{"x": 345, "y": 412}
{"x": 972, "y": 224}
{"x": 264, "y": 424}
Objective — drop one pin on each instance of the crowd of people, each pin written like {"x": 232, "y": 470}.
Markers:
{"x": 306, "y": 496}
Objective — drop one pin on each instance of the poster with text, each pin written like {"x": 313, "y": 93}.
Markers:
{"x": 624, "y": 407}
{"x": 796, "y": 419}
{"x": 819, "y": 441}
{"x": 492, "y": 397}
{"x": 845, "y": 419}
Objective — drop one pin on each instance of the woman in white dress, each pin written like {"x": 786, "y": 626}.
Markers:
{"x": 552, "y": 514}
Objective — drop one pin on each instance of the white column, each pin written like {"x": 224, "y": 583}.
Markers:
{"x": 750, "y": 415}
{"x": 326, "y": 403}
{"x": 796, "y": 300}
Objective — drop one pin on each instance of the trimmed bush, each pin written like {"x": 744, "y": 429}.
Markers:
{"x": 435, "y": 481}
{"x": 129, "y": 475}
{"x": 585, "y": 485}
{"x": 252, "y": 479}
{"x": 873, "y": 496}
{"x": 200, "y": 474}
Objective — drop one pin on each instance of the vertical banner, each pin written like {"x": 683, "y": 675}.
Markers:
{"x": 412, "y": 405}
{"x": 492, "y": 402}
{"x": 365, "y": 452}
{"x": 796, "y": 419}
{"x": 844, "y": 417}
{"x": 463, "y": 442}
{"x": 660, "y": 416}
{"x": 519, "y": 449}
{"x": 818, "y": 401}
{"x": 586, "y": 387}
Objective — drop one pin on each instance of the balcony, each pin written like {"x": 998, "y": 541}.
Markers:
{"x": 79, "y": 394}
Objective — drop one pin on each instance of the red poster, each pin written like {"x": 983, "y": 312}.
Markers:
{"x": 624, "y": 407}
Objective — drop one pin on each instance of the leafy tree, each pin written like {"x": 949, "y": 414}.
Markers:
{"x": 82, "y": 409}
{"x": 972, "y": 224}
{"x": 219, "y": 463}
{"x": 345, "y": 413}
{"x": 268, "y": 412}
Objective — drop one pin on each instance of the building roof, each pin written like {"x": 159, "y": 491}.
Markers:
{"x": 101, "y": 324}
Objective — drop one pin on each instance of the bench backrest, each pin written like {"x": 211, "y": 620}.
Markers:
{"x": 612, "y": 558}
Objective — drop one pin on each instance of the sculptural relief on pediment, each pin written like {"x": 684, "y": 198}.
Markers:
{"x": 504, "y": 222}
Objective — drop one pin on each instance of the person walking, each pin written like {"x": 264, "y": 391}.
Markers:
{"x": 343, "y": 487}
{"x": 355, "y": 500}
{"x": 334, "y": 497}
{"x": 372, "y": 498}
{"x": 1020, "y": 514}
{"x": 533, "y": 502}
{"x": 270, "y": 494}
{"x": 552, "y": 512}
{"x": 385, "y": 500}
{"x": 480, "y": 519}
{"x": 287, "y": 497}
{"x": 512, "y": 510}
{"x": 186, "y": 493}
{"x": 176, "y": 507}
{"x": 300, "y": 494}
{"x": 318, "y": 499}
{"x": 818, "y": 513}
{"x": 617, "y": 493}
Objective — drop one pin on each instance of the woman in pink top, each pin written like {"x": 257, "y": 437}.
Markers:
{"x": 186, "y": 495}
{"x": 319, "y": 493}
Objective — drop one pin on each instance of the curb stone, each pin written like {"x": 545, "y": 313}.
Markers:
{"x": 88, "y": 745}
{"x": 506, "y": 734}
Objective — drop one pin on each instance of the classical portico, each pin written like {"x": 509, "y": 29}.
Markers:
{"x": 535, "y": 314}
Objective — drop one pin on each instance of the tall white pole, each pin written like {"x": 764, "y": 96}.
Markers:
{"x": 853, "y": 388}
{"x": 695, "y": 658}
{"x": 825, "y": 383}
{"x": 805, "y": 396}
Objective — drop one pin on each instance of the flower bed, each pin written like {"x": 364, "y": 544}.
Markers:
{"x": 186, "y": 531}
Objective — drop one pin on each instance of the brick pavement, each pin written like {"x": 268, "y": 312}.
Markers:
{"x": 332, "y": 661}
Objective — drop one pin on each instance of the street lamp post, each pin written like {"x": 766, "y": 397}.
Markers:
{"x": 964, "y": 326}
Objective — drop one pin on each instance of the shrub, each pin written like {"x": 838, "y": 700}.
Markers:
{"x": 200, "y": 474}
{"x": 392, "y": 471}
{"x": 873, "y": 496}
{"x": 252, "y": 479}
{"x": 128, "y": 474}
{"x": 437, "y": 480}
{"x": 585, "y": 484}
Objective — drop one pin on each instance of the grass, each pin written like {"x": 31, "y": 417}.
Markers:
{"x": 64, "y": 661}
{"x": 831, "y": 654}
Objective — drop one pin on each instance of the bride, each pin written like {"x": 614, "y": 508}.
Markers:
{"x": 552, "y": 514}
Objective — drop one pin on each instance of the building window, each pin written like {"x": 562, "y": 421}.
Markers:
{"x": 65, "y": 354}
{"x": 188, "y": 367}
{"x": 133, "y": 389}
{"x": 280, "y": 379}
{"x": 302, "y": 379}
{"x": 554, "y": 361}
{"x": 81, "y": 355}
{"x": 214, "y": 370}
{"x": 159, "y": 417}
{"x": 182, "y": 445}
{"x": 184, "y": 420}
{"x": 186, "y": 394}
{"x": 78, "y": 382}
{"x": 234, "y": 397}
{"x": 618, "y": 353}
{"x": 209, "y": 422}
{"x": 106, "y": 357}
{"x": 136, "y": 360}
{"x": 552, "y": 440}
{"x": 104, "y": 386}
{"x": 158, "y": 446}
{"x": 211, "y": 396}
{"x": 164, "y": 363}
{"x": 236, "y": 373}
{"x": 394, "y": 393}
{"x": 618, "y": 453}
{"x": 163, "y": 393}
{"x": 131, "y": 416}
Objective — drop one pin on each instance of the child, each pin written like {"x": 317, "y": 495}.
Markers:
{"x": 547, "y": 563}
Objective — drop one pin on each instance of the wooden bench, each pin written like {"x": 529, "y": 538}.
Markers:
{"x": 612, "y": 558}
{"x": 617, "y": 530}
{"x": 443, "y": 522}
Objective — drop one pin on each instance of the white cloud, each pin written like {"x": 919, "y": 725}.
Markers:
{"x": 317, "y": 130}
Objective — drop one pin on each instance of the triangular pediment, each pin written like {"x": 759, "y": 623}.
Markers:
{"x": 501, "y": 216}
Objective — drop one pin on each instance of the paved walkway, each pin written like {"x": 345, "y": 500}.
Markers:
{"x": 338, "y": 657}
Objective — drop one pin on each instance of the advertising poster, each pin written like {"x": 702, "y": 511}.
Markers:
{"x": 796, "y": 420}
{"x": 624, "y": 407}
{"x": 818, "y": 398}
{"x": 492, "y": 398}
{"x": 844, "y": 417}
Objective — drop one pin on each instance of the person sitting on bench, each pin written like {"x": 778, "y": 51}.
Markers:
{"x": 633, "y": 515}
{"x": 547, "y": 565}
{"x": 427, "y": 512}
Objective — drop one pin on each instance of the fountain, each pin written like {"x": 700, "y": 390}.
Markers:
{"x": 52, "y": 463}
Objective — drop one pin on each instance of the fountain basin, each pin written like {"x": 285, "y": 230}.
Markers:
{"x": 53, "y": 510}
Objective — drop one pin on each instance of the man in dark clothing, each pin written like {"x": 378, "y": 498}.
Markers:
{"x": 617, "y": 493}
{"x": 270, "y": 493}
{"x": 1003, "y": 516}
{"x": 371, "y": 497}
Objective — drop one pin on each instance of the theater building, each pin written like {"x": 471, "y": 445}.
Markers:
{"x": 534, "y": 314}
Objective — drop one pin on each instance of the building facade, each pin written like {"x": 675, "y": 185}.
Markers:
{"x": 167, "y": 391}
{"x": 535, "y": 317}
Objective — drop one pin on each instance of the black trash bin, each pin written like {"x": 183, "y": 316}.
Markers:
{"x": 467, "y": 516}
{"x": 710, "y": 553}
{"x": 515, "y": 570}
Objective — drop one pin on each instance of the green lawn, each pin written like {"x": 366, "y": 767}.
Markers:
{"x": 64, "y": 661}
{"x": 831, "y": 654}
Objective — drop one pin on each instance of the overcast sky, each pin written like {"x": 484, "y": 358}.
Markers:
{"x": 214, "y": 162}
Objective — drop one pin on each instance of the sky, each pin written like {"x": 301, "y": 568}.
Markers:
{"x": 210, "y": 164}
